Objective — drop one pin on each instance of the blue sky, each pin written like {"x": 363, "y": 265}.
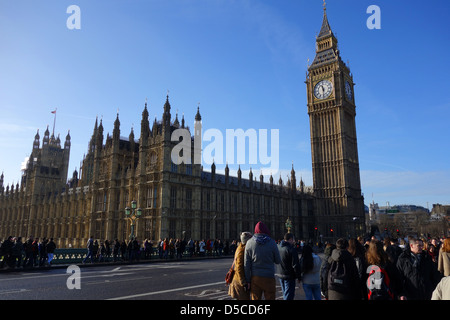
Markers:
{"x": 245, "y": 61}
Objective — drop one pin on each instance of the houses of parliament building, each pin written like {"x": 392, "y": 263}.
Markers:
{"x": 185, "y": 201}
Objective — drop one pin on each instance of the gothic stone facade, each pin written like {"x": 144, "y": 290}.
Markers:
{"x": 185, "y": 201}
{"x": 177, "y": 201}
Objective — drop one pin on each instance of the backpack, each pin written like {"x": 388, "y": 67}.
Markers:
{"x": 339, "y": 278}
{"x": 378, "y": 284}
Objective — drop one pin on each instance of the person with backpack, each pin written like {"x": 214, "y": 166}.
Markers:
{"x": 343, "y": 277}
{"x": 383, "y": 279}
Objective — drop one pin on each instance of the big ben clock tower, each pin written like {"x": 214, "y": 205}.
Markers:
{"x": 335, "y": 165}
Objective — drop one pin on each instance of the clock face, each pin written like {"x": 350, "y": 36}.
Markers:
{"x": 322, "y": 90}
{"x": 348, "y": 90}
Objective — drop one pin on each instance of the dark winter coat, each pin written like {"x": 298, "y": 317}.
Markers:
{"x": 418, "y": 275}
{"x": 352, "y": 290}
{"x": 289, "y": 267}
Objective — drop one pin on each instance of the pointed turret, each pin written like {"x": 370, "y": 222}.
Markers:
{"x": 145, "y": 125}
{"x": 67, "y": 143}
{"x": 116, "y": 130}
{"x": 166, "y": 114}
{"x": 36, "y": 141}
{"x": 46, "y": 139}
{"x": 325, "y": 30}
{"x": 326, "y": 44}
{"x": 198, "y": 117}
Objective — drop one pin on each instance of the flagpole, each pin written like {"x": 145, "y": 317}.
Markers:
{"x": 54, "y": 122}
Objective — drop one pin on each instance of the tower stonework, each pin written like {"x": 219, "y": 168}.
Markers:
{"x": 335, "y": 164}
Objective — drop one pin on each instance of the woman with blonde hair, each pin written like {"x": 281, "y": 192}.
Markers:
{"x": 444, "y": 258}
{"x": 238, "y": 287}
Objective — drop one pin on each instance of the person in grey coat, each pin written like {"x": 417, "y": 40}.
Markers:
{"x": 261, "y": 255}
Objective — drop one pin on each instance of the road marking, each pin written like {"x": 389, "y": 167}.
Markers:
{"x": 14, "y": 291}
{"x": 166, "y": 291}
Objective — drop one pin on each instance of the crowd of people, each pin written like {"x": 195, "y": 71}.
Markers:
{"x": 350, "y": 269}
{"x": 35, "y": 252}
{"x": 14, "y": 253}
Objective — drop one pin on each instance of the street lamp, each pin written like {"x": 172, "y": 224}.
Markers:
{"x": 133, "y": 214}
{"x": 288, "y": 225}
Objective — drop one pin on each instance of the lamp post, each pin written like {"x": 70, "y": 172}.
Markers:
{"x": 288, "y": 225}
{"x": 133, "y": 214}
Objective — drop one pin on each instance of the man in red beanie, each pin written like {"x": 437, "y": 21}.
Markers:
{"x": 261, "y": 255}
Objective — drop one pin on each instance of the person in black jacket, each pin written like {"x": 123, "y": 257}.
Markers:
{"x": 418, "y": 274}
{"x": 343, "y": 278}
{"x": 289, "y": 269}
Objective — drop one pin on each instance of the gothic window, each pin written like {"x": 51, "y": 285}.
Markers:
{"x": 173, "y": 197}
{"x": 101, "y": 202}
{"x": 189, "y": 199}
{"x": 208, "y": 200}
{"x": 221, "y": 202}
{"x": 149, "y": 197}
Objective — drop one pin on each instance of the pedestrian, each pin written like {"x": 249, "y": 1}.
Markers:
{"x": 123, "y": 250}
{"x": 107, "y": 250}
{"x": 324, "y": 268}
{"x": 442, "y": 291}
{"x": 289, "y": 269}
{"x": 6, "y": 249}
{"x": 90, "y": 249}
{"x": 238, "y": 287}
{"x": 383, "y": 280}
{"x": 147, "y": 249}
{"x": 136, "y": 249}
{"x": 28, "y": 248}
{"x": 343, "y": 277}
{"x": 311, "y": 264}
{"x": 220, "y": 247}
{"x": 201, "y": 248}
{"x": 358, "y": 253}
{"x": 418, "y": 274}
{"x": 116, "y": 249}
{"x": 191, "y": 247}
{"x": 95, "y": 250}
{"x": 51, "y": 246}
{"x": 233, "y": 247}
{"x": 444, "y": 258}
{"x": 130, "y": 250}
{"x": 261, "y": 255}
{"x": 35, "y": 249}
{"x": 101, "y": 251}
{"x": 17, "y": 252}
{"x": 393, "y": 250}
{"x": 179, "y": 253}
{"x": 43, "y": 251}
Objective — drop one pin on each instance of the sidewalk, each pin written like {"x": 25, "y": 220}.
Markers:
{"x": 109, "y": 263}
